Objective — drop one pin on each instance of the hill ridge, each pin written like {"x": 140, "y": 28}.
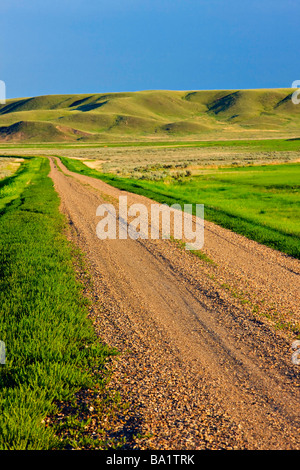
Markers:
{"x": 153, "y": 114}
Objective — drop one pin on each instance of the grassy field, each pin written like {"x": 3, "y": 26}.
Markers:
{"x": 261, "y": 144}
{"x": 130, "y": 159}
{"x": 151, "y": 115}
{"x": 52, "y": 351}
{"x": 259, "y": 202}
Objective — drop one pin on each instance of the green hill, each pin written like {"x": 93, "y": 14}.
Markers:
{"x": 147, "y": 115}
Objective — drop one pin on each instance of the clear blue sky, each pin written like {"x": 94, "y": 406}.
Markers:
{"x": 89, "y": 46}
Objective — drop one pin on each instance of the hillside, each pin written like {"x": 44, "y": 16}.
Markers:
{"x": 144, "y": 115}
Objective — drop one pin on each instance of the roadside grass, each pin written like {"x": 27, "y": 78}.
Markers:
{"x": 199, "y": 253}
{"x": 52, "y": 351}
{"x": 12, "y": 186}
{"x": 261, "y": 203}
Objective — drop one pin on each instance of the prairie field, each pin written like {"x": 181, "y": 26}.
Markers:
{"x": 250, "y": 187}
{"x": 128, "y": 159}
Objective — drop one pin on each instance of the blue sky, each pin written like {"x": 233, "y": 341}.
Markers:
{"x": 77, "y": 46}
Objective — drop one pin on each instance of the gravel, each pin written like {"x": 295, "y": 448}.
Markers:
{"x": 202, "y": 365}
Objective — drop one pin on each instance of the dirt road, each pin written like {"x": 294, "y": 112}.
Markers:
{"x": 202, "y": 363}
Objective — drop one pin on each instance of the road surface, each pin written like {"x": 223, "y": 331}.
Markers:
{"x": 202, "y": 363}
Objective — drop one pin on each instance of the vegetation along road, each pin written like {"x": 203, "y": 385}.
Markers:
{"x": 205, "y": 338}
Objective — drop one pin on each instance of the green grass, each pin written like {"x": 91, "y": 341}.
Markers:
{"x": 263, "y": 145}
{"x": 12, "y": 186}
{"x": 51, "y": 347}
{"x": 259, "y": 202}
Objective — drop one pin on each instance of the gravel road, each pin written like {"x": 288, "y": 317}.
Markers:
{"x": 202, "y": 363}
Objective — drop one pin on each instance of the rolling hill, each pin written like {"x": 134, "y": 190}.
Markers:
{"x": 146, "y": 115}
